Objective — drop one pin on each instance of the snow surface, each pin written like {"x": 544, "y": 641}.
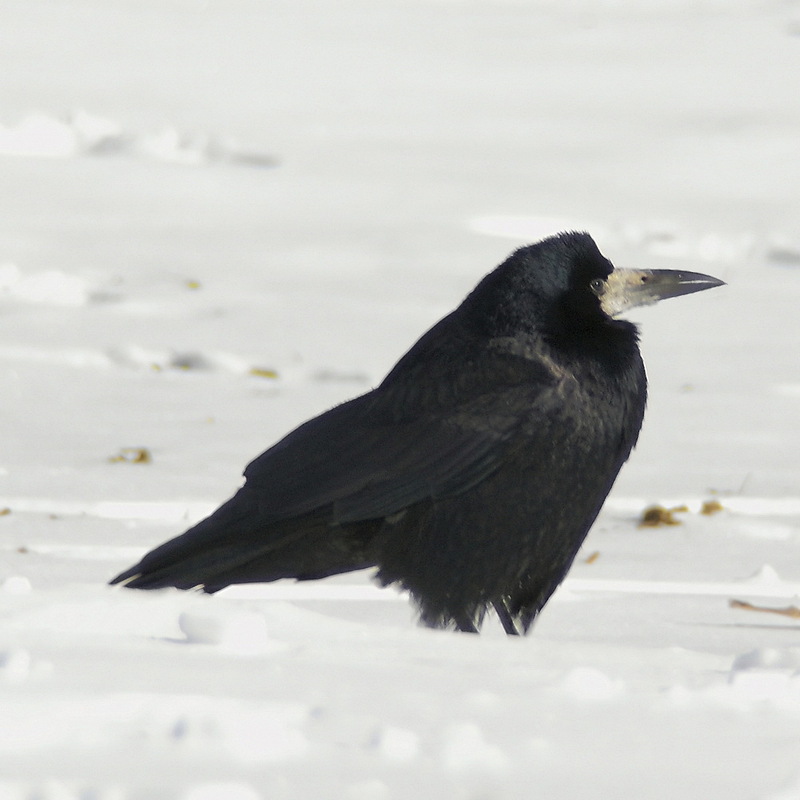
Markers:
{"x": 221, "y": 218}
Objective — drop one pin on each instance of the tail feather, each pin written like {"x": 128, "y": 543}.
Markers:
{"x": 234, "y": 546}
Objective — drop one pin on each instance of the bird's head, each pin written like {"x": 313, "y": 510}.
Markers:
{"x": 564, "y": 285}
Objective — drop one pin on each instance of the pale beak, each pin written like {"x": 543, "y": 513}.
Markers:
{"x": 628, "y": 288}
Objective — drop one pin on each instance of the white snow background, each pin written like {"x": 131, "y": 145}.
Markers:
{"x": 220, "y": 218}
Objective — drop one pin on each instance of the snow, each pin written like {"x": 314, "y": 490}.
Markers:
{"x": 221, "y": 218}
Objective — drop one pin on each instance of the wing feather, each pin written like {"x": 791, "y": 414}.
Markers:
{"x": 365, "y": 462}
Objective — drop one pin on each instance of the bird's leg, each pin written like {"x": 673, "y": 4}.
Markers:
{"x": 465, "y": 624}
{"x": 505, "y": 617}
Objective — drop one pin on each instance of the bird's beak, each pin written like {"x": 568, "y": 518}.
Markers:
{"x": 628, "y": 288}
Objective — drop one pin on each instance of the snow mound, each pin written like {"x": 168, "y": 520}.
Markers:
{"x": 371, "y": 789}
{"x": 80, "y": 133}
{"x": 661, "y": 239}
{"x": 58, "y": 790}
{"x": 397, "y": 745}
{"x": 784, "y": 251}
{"x": 223, "y": 790}
{"x": 466, "y": 750}
{"x": 138, "y": 357}
{"x": 15, "y": 665}
{"x": 768, "y": 658}
{"x": 266, "y": 733}
{"x": 38, "y": 136}
{"x": 765, "y": 575}
{"x": 586, "y": 684}
{"x": 51, "y": 287}
{"x": 234, "y": 629}
{"x": 15, "y": 584}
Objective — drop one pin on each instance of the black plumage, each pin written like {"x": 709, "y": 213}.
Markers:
{"x": 473, "y": 473}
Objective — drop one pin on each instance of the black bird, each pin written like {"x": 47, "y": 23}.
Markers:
{"x": 473, "y": 473}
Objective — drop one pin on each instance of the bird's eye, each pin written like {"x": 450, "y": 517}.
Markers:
{"x": 597, "y": 286}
